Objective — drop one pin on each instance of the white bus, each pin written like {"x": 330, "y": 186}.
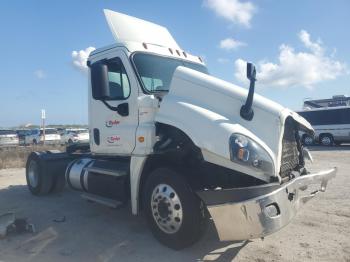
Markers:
{"x": 331, "y": 124}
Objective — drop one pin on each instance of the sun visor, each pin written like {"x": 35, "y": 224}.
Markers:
{"x": 127, "y": 28}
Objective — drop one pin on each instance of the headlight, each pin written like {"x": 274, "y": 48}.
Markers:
{"x": 246, "y": 152}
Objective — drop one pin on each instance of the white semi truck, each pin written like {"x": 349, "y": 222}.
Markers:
{"x": 180, "y": 144}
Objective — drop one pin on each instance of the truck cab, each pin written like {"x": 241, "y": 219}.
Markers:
{"x": 181, "y": 145}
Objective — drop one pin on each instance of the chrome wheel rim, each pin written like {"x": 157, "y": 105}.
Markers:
{"x": 326, "y": 141}
{"x": 308, "y": 140}
{"x": 33, "y": 174}
{"x": 166, "y": 208}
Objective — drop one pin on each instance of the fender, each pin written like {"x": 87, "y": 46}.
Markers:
{"x": 209, "y": 126}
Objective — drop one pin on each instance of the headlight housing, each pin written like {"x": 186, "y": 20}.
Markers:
{"x": 248, "y": 153}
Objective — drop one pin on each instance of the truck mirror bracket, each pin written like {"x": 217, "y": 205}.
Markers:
{"x": 121, "y": 109}
{"x": 246, "y": 111}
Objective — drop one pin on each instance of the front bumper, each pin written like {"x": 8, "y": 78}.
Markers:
{"x": 254, "y": 212}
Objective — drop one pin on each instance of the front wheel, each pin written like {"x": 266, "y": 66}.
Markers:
{"x": 308, "y": 140}
{"x": 174, "y": 213}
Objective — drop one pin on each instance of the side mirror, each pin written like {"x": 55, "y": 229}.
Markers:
{"x": 246, "y": 111}
{"x": 99, "y": 81}
{"x": 251, "y": 72}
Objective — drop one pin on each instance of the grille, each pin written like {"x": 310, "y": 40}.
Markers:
{"x": 290, "y": 154}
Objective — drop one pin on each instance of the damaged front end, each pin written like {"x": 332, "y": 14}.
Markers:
{"x": 259, "y": 210}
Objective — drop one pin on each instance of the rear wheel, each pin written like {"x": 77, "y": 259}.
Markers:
{"x": 70, "y": 142}
{"x": 35, "y": 142}
{"x": 326, "y": 140}
{"x": 38, "y": 182}
{"x": 174, "y": 213}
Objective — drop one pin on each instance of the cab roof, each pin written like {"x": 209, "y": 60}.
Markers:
{"x": 137, "y": 35}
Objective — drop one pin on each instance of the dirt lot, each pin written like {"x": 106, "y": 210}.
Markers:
{"x": 320, "y": 232}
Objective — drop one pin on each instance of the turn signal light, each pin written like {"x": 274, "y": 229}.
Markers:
{"x": 141, "y": 139}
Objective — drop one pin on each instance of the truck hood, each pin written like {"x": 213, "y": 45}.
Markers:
{"x": 207, "y": 110}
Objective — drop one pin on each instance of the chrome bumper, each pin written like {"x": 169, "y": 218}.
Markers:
{"x": 254, "y": 212}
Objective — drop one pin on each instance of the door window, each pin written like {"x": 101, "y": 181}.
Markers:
{"x": 119, "y": 85}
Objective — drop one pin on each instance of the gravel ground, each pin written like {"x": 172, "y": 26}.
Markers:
{"x": 90, "y": 232}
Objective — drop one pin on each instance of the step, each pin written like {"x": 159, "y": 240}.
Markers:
{"x": 104, "y": 171}
{"x": 102, "y": 200}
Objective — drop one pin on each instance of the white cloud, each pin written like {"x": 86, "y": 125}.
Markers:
{"x": 296, "y": 68}
{"x": 80, "y": 58}
{"x": 230, "y": 44}
{"x": 40, "y": 74}
{"x": 235, "y": 11}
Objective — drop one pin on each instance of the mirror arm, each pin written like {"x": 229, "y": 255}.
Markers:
{"x": 246, "y": 111}
{"x": 113, "y": 108}
{"x": 121, "y": 109}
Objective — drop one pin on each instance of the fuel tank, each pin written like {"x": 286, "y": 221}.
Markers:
{"x": 105, "y": 178}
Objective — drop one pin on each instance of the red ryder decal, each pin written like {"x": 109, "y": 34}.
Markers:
{"x": 111, "y": 123}
{"x": 113, "y": 139}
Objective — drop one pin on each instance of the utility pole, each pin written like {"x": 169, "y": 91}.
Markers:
{"x": 43, "y": 116}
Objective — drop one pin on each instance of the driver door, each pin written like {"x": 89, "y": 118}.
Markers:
{"x": 112, "y": 132}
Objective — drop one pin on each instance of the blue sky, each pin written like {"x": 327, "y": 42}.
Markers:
{"x": 301, "y": 48}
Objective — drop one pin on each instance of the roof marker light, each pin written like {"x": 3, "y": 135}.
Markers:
{"x": 178, "y": 52}
{"x": 144, "y": 45}
{"x": 170, "y": 50}
{"x": 200, "y": 59}
{"x": 185, "y": 55}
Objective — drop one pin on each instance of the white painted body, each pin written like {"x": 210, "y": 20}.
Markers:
{"x": 207, "y": 110}
{"x": 203, "y": 107}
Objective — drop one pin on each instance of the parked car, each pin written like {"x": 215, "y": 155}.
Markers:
{"x": 331, "y": 125}
{"x": 22, "y": 133}
{"x": 51, "y": 136}
{"x": 73, "y": 136}
{"x": 33, "y": 137}
{"x": 37, "y": 136}
{"x": 8, "y": 138}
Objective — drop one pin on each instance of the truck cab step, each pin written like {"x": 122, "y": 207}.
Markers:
{"x": 102, "y": 200}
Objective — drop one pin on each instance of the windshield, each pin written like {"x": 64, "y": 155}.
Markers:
{"x": 23, "y": 132}
{"x": 49, "y": 132}
{"x": 156, "y": 72}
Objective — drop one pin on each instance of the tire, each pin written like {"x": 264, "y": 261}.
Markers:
{"x": 70, "y": 142}
{"x": 308, "y": 140}
{"x": 38, "y": 182}
{"x": 174, "y": 213}
{"x": 58, "y": 181}
{"x": 35, "y": 142}
{"x": 326, "y": 140}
